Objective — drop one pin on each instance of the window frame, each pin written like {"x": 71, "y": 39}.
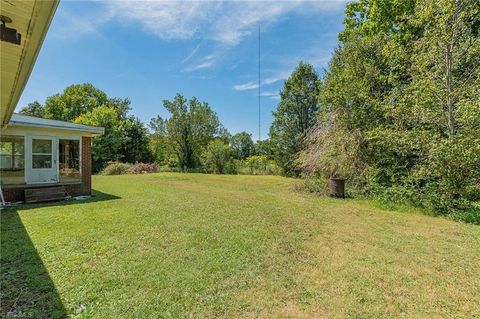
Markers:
{"x": 51, "y": 154}
{"x": 13, "y": 155}
{"x": 80, "y": 153}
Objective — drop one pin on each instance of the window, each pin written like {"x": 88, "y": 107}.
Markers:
{"x": 69, "y": 156}
{"x": 12, "y": 160}
{"x": 42, "y": 153}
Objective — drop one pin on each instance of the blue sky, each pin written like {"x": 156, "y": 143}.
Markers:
{"x": 150, "y": 50}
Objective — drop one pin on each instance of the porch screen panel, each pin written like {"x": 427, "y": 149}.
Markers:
{"x": 12, "y": 160}
{"x": 69, "y": 156}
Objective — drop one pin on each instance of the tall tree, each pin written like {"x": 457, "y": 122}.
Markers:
{"x": 33, "y": 109}
{"x": 125, "y": 139}
{"x": 158, "y": 140}
{"x": 191, "y": 126}
{"x": 74, "y": 101}
{"x": 295, "y": 114}
{"x": 135, "y": 147}
{"x": 264, "y": 147}
{"x": 242, "y": 145}
{"x": 107, "y": 147}
{"x": 446, "y": 61}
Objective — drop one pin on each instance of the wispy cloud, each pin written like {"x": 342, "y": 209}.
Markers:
{"x": 192, "y": 53}
{"x": 71, "y": 26}
{"x": 271, "y": 94}
{"x": 227, "y": 22}
{"x": 316, "y": 56}
{"x": 205, "y": 63}
{"x": 246, "y": 86}
{"x": 283, "y": 68}
{"x": 278, "y": 76}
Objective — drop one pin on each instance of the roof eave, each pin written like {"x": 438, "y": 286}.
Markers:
{"x": 90, "y": 130}
{"x": 40, "y": 22}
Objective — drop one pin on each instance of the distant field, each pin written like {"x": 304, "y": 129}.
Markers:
{"x": 177, "y": 245}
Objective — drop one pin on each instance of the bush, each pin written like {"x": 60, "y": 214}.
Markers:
{"x": 176, "y": 169}
{"x": 471, "y": 215}
{"x": 261, "y": 165}
{"x": 115, "y": 168}
{"x": 331, "y": 150}
{"x": 454, "y": 167}
{"x": 217, "y": 158}
{"x": 143, "y": 168}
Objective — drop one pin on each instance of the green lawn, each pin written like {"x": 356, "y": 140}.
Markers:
{"x": 192, "y": 245}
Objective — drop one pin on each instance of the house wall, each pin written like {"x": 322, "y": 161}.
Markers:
{"x": 15, "y": 193}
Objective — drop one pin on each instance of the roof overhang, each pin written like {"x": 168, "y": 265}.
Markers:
{"x": 31, "y": 18}
{"x": 25, "y": 122}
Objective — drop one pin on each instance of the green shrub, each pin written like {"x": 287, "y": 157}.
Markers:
{"x": 471, "y": 215}
{"x": 260, "y": 165}
{"x": 455, "y": 167}
{"x": 176, "y": 169}
{"x": 217, "y": 158}
{"x": 115, "y": 168}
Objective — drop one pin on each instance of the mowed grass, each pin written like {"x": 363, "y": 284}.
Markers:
{"x": 191, "y": 245}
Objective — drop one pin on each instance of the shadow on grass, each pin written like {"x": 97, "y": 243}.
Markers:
{"x": 97, "y": 196}
{"x": 26, "y": 289}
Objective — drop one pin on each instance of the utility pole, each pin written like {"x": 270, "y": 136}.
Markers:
{"x": 259, "y": 83}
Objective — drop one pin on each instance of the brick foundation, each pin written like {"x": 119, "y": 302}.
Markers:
{"x": 16, "y": 192}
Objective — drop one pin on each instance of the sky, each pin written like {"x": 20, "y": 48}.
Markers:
{"x": 148, "y": 51}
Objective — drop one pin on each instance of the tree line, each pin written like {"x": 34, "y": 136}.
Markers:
{"x": 398, "y": 109}
{"x": 190, "y": 139}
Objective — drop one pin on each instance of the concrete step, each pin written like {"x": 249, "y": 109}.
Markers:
{"x": 45, "y": 194}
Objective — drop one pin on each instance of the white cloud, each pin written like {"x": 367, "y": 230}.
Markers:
{"x": 192, "y": 53}
{"x": 246, "y": 86}
{"x": 271, "y": 94}
{"x": 205, "y": 63}
{"x": 278, "y": 76}
{"x": 70, "y": 26}
{"x": 316, "y": 56}
{"x": 166, "y": 19}
{"x": 226, "y": 22}
{"x": 284, "y": 66}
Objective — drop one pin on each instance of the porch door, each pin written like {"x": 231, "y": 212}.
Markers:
{"x": 42, "y": 164}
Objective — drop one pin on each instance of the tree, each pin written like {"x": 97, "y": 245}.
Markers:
{"x": 242, "y": 145}
{"x": 135, "y": 144}
{"x": 125, "y": 139}
{"x": 257, "y": 164}
{"x": 75, "y": 100}
{"x": 190, "y": 127}
{"x": 217, "y": 157}
{"x": 446, "y": 63}
{"x": 264, "y": 147}
{"x": 158, "y": 141}
{"x": 33, "y": 109}
{"x": 107, "y": 147}
{"x": 295, "y": 114}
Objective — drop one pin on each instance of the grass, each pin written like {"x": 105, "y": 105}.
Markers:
{"x": 177, "y": 245}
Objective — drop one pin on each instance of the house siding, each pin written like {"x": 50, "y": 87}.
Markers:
{"x": 16, "y": 193}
